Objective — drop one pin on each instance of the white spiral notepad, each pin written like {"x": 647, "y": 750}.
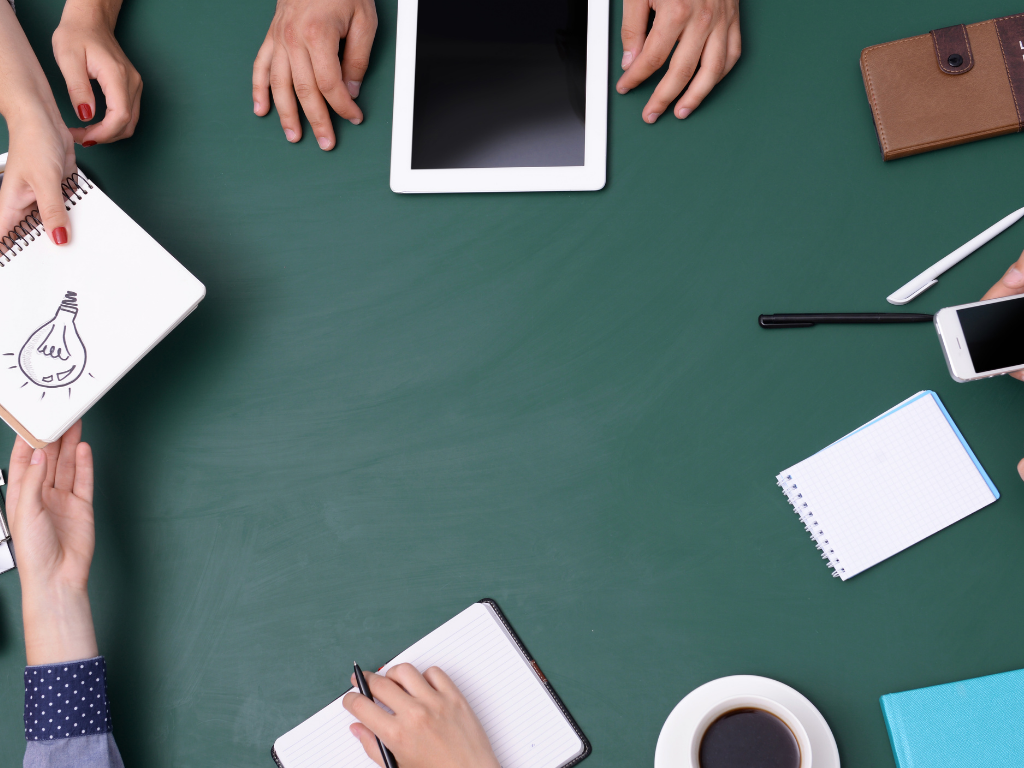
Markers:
{"x": 78, "y": 317}
{"x": 523, "y": 717}
{"x": 888, "y": 485}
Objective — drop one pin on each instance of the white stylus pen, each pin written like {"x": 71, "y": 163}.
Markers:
{"x": 930, "y": 276}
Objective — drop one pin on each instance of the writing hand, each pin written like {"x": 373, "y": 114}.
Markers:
{"x": 708, "y": 33}
{"x": 433, "y": 725}
{"x": 299, "y": 57}
{"x": 85, "y": 48}
{"x": 49, "y": 505}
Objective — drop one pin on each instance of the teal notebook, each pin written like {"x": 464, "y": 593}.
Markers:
{"x": 977, "y": 722}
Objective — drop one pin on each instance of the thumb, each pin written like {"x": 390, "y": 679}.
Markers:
{"x": 50, "y": 200}
{"x": 1020, "y": 469}
{"x": 369, "y": 742}
{"x": 73, "y": 66}
{"x": 31, "y": 497}
{"x": 635, "y": 14}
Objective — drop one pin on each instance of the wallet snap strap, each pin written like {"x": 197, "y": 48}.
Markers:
{"x": 953, "y": 49}
{"x": 1011, "y": 40}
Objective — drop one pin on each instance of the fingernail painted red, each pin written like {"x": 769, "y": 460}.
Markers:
{"x": 88, "y": 143}
{"x": 85, "y": 111}
{"x": 60, "y": 235}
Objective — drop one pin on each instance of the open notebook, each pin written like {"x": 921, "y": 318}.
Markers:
{"x": 888, "y": 485}
{"x": 78, "y": 317}
{"x": 523, "y": 717}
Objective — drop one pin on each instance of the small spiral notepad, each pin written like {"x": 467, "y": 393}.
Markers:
{"x": 888, "y": 485}
{"x": 78, "y": 317}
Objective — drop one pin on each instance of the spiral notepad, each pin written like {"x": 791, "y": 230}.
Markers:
{"x": 888, "y": 485}
{"x": 78, "y": 317}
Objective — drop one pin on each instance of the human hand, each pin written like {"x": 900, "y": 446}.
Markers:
{"x": 41, "y": 152}
{"x": 85, "y": 48}
{"x": 433, "y": 725}
{"x": 708, "y": 32}
{"x": 1010, "y": 284}
{"x": 49, "y": 506}
{"x": 300, "y": 56}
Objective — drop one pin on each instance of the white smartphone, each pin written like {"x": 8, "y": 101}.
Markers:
{"x": 982, "y": 339}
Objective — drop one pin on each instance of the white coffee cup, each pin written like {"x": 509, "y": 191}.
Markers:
{"x": 719, "y": 708}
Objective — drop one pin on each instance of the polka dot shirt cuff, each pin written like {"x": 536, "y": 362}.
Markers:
{"x": 67, "y": 699}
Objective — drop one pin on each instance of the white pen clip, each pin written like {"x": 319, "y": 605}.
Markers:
{"x": 910, "y": 291}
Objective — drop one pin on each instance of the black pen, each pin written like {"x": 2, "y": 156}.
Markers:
{"x": 808, "y": 319}
{"x": 389, "y": 759}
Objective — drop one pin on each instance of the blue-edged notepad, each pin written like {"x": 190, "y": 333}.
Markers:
{"x": 977, "y": 722}
{"x": 888, "y": 485}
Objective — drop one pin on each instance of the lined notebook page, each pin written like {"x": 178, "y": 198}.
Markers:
{"x": 522, "y": 721}
{"x": 888, "y": 485}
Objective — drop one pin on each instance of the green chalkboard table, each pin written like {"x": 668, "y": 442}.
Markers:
{"x": 389, "y": 407}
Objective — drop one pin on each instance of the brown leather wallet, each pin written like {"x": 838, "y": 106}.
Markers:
{"x": 951, "y": 86}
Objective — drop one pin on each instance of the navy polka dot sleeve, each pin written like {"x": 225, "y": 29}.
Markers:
{"x": 66, "y": 699}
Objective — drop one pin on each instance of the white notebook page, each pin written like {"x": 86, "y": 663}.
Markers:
{"x": 887, "y": 486}
{"x": 522, "y": 721}
{"x": 129, "y": 293}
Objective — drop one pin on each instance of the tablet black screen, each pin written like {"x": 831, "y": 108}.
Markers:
{"x": 500, "y": 84}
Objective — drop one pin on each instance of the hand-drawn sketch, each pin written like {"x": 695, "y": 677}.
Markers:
{"x": 54, "y": 355}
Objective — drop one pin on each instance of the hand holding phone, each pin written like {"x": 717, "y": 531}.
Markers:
{"x": 982, "y": 339}
{"x": 1011, "y": 284}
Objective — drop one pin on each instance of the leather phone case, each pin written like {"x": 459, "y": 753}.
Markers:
{"x": 951, "y": 86}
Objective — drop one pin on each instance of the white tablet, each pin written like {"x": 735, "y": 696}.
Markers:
{"x": 500, "y": 96}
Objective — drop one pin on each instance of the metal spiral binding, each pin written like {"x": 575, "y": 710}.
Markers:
{"x": 28, "y": 229}
{"x": 803, "y": 511}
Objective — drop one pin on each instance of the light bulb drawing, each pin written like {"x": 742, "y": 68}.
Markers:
{"x": 54, "y": 355}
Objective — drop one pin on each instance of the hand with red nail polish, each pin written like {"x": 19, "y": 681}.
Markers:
{"x": 86, "y": 49}
{"x": 41, "y": 152}
{"x": 1010, "y": 284}
{"x": 707, "y": 33}
{"x": 300, "y": 56}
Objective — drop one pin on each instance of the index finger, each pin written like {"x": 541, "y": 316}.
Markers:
{"x": 657, "y": 47}
{"x": 64, "y": 478}
{"x": 118, "y": 116}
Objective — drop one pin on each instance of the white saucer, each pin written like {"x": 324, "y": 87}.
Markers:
{"x": 677, "y": 734}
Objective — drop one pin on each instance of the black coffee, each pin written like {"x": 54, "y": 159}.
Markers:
{"x": 749, "y": 738}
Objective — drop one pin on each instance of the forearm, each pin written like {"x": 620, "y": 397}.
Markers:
{"x": 58, "y": 623}
{"x": 23, "y": 86}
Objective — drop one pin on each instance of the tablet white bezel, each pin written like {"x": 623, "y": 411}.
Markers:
{"x": 589, "y": 176}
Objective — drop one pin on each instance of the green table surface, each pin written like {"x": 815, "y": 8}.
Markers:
{"x": 389, "y": 406}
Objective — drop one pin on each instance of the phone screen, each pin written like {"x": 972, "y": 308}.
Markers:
{"x": 500, "y": 84}
{"x": 994, "y": 333}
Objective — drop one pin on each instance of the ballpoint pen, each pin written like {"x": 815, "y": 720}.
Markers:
{"x": 930, "y": 276}
{"x": 389, "y": 759}
{"x": 806, "y": 320}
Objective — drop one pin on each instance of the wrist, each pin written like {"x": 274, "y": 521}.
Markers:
{"x": 92, "y": 13}
{"x": 58, "y": 623}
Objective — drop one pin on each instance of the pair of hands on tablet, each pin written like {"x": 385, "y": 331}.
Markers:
{"x": 298, "y": 62}
{"x": 432, "y": 726}
{"x": 42, "y": 149}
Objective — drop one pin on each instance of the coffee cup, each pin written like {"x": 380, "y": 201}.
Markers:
{"x": 752, "y": 704}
